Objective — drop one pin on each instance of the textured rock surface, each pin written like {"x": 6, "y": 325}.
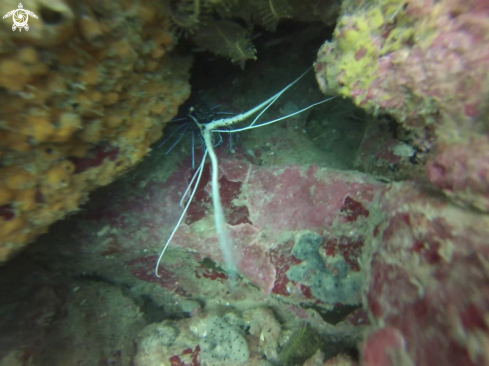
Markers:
{"x": 461, "y": 171}
{"x": 271, "y": 213}
{"x": 390, "y": 151}
{"x": 119, "y": 237}
{"x": 425, "y": 268}
{"x": 47, "y": 321}
{"x": 429, "y": 282}
{"x": 414, "y": 59}
{"x": 426, "y": 64}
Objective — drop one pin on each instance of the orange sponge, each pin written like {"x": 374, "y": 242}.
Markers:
{"x": 81, "y": 101}
{"x": 59, "y": 176}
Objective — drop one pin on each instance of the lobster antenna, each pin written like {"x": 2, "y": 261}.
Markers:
{"x": 224, "y": 238}
{"x": 199, "y": 170}
{"x": 241, "y": 117}
{"x": 250, "y": 127}
{"x": 197, "y": 173}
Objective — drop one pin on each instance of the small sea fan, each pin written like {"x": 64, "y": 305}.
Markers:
{"x": 228, "y": 39}
{"x": 185, "y": 15}
{"x": 272, "y": 11}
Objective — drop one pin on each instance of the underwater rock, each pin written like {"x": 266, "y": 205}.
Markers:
{"x": 329, "y": 277}
{"x": 265, "y": 208}
{"x": 211, "y": 340}
{"x": 428, "y": 277}
{"x": 423, "y": 259}
{"x": 412, "y": 59}
{"x": 222, "y": 343}
{"x": 120, "y": 235}
{"x": 461, "y": 171}
{"x": 423, "y": 63}
{"x": 428, "y": 282}
{"x": 390, "y": 151}
{"x": 168, "y": 341}
{"x": 46, "y": 321}
{"x": 262, "y": 324}
{"x": 203, "y": 340}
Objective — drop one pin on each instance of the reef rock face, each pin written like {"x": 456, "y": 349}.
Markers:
{"x": 461, "y": 171}
{"x": 83, "y": 94}
{"x": 428, "y": 282}
{"x": 305, "y": 239}
{"x": 303, "y": 236}
{"x": 423, "y": 62}
{"x": 426, "y": 64}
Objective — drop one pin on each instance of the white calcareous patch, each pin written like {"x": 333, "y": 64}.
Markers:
{"x": 224, "y": 343}
{"x": 404, "y": 150}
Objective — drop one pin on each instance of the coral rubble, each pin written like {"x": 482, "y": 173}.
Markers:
{"x": 83, "y": 94}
